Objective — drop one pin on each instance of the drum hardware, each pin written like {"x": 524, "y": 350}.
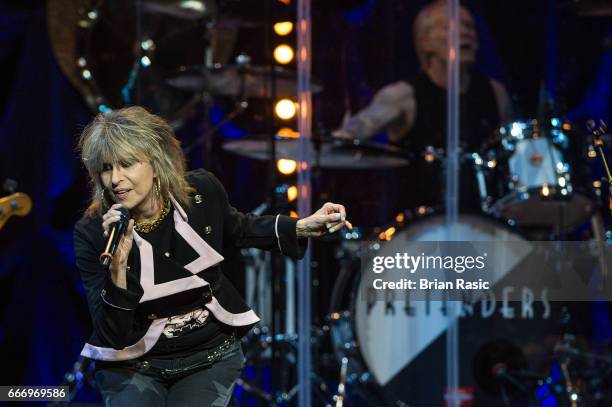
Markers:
{"x": 334, "y": 154}
{"x": 574, "y": 377}
{"x": 224, "y": 80}
{"x": 80, "y": 376}
{"x": 187, "y": 10}
{"x": 242, "y": 62}
{"x": 480, "y": 167}
{"x": 114, "y": 67}
{"x": 598, "y": 131}
{"x": 258, "y": 345}
{"x": 497, "y": 368}
{"x": 432, "y": 154}
{"x": 267, "y": 349}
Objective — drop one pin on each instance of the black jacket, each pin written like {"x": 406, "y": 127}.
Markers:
{"x": 128, "y": 322}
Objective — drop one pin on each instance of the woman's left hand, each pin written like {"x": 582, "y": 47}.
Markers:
{"x": 329, "y": 219}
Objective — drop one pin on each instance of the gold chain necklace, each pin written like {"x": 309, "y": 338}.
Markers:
{"x": 147, "y": 227}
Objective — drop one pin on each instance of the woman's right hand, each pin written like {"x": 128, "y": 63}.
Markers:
{"x": 118, "y": 266}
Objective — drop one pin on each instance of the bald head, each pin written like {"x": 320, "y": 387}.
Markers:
{"x": 431, "y": 35}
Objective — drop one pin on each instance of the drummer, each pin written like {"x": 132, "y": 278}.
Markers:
{"x": 414, "y": 112}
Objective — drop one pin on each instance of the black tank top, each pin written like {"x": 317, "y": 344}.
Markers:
{"x": 479, "y": 117}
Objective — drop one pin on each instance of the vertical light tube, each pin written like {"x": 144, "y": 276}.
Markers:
{"x": 304, "y": 198}
{"x": 452, "y": 192}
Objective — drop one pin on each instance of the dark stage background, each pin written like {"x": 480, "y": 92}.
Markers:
{"x": 359, "y": 46}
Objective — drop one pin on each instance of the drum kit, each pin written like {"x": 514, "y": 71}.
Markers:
{"x": 533, "y": 179}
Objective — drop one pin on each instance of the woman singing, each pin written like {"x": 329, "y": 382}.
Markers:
{"x": 166, "y": 321}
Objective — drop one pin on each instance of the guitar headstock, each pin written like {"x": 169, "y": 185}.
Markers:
{"x": 18, "y": 204}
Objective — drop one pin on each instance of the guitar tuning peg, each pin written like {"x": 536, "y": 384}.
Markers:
{"x": 9, "y": 186}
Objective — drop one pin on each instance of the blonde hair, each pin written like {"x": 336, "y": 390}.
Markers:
{"x": 131, "y": 135}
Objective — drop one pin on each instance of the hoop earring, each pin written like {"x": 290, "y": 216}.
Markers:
{"x": 104, "y": 199}
{"x": 158, "y": 190}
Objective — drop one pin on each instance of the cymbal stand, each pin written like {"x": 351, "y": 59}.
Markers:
{"x": 242, "y": 62}
{"x": 81, "y": 375}
{"x": 598, "y": 143}
{"x": 341, "y": 393}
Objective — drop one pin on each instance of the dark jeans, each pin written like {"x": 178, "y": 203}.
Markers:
{"x": 189, "y": 381}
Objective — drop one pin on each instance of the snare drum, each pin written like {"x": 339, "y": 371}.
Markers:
{"x": 533, "y": 176}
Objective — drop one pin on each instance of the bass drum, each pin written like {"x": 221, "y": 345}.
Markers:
{"x": 380, "y": 339}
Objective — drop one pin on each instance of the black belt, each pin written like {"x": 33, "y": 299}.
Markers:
{"x": 201, "y": 360}
{"x": 211, "y": 357}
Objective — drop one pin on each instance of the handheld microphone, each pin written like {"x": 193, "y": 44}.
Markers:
{"x": 115, "y": 232}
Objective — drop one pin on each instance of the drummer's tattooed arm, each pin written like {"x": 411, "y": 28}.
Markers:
{"x": 393, "y": 108}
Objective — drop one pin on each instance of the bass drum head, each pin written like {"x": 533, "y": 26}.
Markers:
{"x": 382, "y": 338}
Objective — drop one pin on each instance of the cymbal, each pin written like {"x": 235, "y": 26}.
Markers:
{"x": 334, "y": 155}
{"x": 593, "y": 8}
{"x": 227, "y": 81}
{"x": 188, "y": 10}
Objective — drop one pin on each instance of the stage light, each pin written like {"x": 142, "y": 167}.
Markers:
{"x": 194, "y": 5}
{"x": 145, "y": 61}
{"x": 545, "y": 190}
{"x": 148, "y": 45}
{"x": 286, "y": 167}
{"x": 516, "y": 130}
{"x": 293, "y": 214}
{"x": 283, "y": 54}
{"x": 283, "y": 27}
{"x": 292, "y": 193}
{"x": 86, "y": 74}
{"x": 285, "y": 109}
{"x": 596, "y": 184}
{"x": 591, "y": 153}
{"x": 561, "y": 182}
{"x": 287, "y": 132}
